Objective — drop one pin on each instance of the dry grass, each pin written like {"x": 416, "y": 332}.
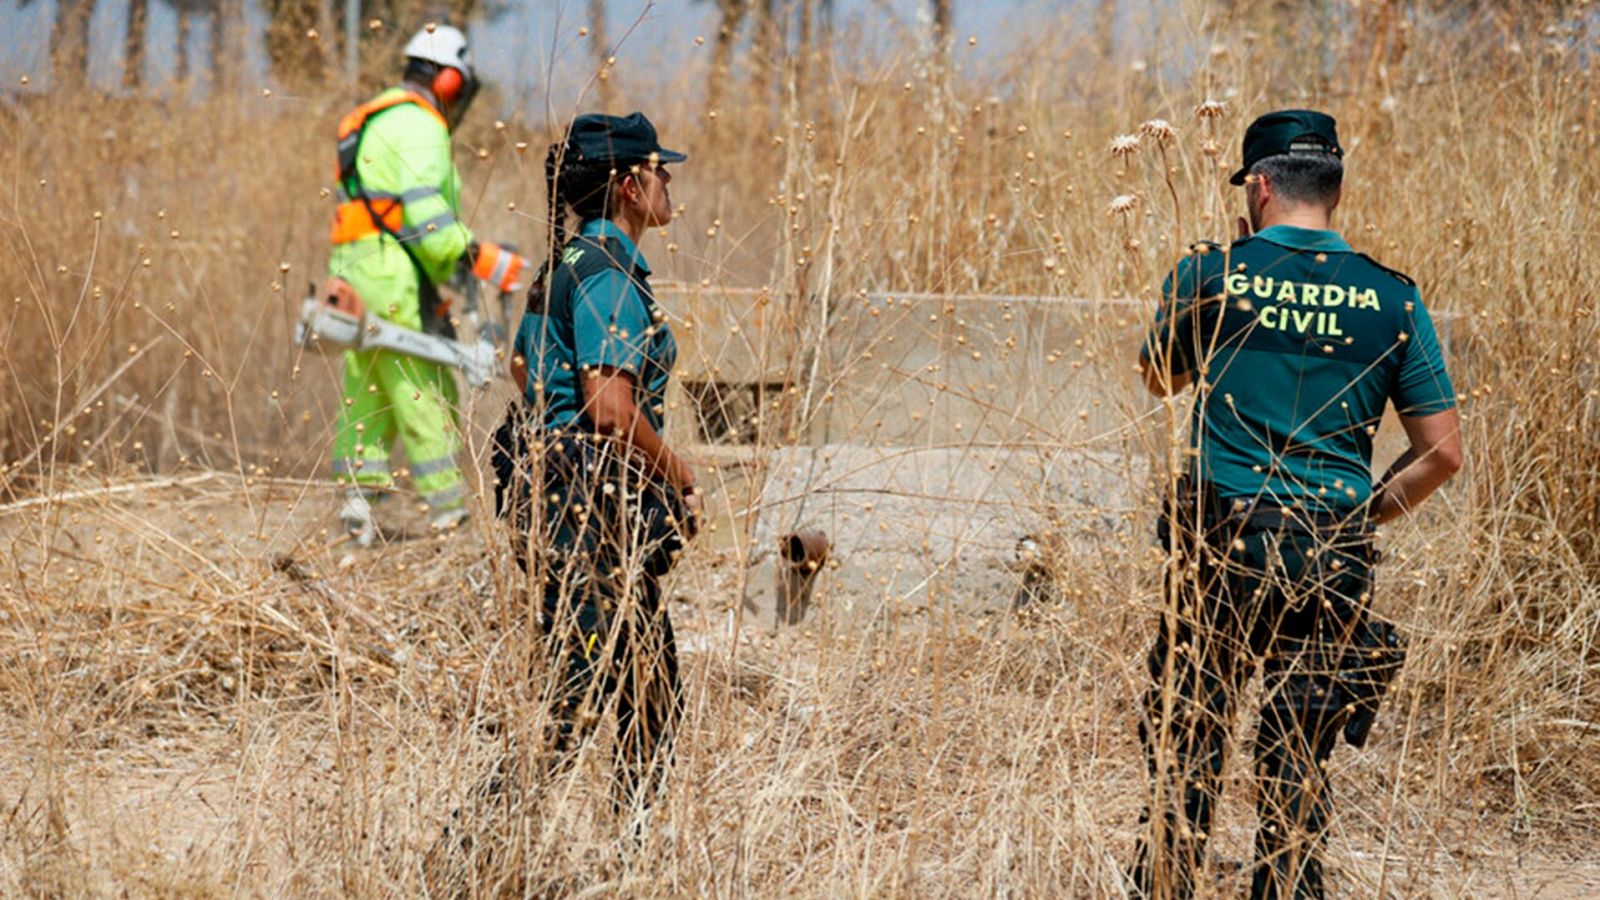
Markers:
{"x": 202, "y": 698}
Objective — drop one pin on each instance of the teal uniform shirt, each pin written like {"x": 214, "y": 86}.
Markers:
{"x": 599, "y": 311}
{"x": 1296, "y": 342}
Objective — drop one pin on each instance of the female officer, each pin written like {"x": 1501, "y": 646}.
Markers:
{"x": 593, "y": 354}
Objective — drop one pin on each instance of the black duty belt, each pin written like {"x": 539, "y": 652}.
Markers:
{"x": 1277, "y": 518}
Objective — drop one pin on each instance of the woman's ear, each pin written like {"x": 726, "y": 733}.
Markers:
{"x": 631, "y": 190}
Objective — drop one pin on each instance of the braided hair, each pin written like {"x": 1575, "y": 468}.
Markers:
{"x": 577, "y": 188}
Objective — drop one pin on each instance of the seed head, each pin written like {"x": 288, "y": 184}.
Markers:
{"x": 1211, "y": 109}
{"x": 1158, "y": 130}
{"x": 1125, "y": 145}
{"x": 1122, "y": 203}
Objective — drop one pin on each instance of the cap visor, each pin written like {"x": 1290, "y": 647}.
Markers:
{"x": 670, "y": 156}
{"x": 1238, "y": 177}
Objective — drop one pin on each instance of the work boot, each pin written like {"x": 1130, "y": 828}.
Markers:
{"x": 356, "y": 517}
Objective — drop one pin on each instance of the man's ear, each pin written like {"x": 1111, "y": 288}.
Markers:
{"x": 1263, "y": 188}
{"x": 1337, "y": 196}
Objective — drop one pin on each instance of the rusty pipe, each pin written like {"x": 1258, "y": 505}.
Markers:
{"x": 803, "y": 554}
{"x": 805, "y": 551}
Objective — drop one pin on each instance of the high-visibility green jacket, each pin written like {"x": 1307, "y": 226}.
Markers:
{"x": 402, "y": 164}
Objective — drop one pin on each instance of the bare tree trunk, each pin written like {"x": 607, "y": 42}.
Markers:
{"x": 600, "y": 43}
{"x": 330, "y": 27}
{"x": 732, "y": 12}
{"x": 220, "y": 80}
{"x": 943, "y": 30}
{"x": 133, "y": 44}
{"x": 1105, "y": 23}
{"x": 765, "y": 52}
{"x": 805, "y": 55}
{"x": 69, "y": 45}
{"x": 183, "y": 45}
{"x": 227, "y": 52}
{"x": 1381, "y": 32}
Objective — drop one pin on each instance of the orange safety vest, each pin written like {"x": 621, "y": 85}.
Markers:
{"x": 353, "y": 218}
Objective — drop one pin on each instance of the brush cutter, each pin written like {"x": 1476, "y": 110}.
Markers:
{"x": 336, "y": 320}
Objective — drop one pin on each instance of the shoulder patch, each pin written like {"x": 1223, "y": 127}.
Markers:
{"x": 587, "y": 255}
{"x": 1402, "y": 277}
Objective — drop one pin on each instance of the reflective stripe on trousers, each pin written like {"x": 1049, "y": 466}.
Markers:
{"x": 389, "y": 396}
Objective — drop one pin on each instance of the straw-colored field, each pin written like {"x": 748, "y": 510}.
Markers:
{"x": 205, "y": 692}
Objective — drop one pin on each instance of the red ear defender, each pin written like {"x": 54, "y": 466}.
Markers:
{"x": 447, "y": 84}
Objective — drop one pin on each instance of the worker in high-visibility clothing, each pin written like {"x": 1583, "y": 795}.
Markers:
{"x": 396, "y": 237}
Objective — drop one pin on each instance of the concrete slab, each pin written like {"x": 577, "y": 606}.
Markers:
{"x": 912, "y": 529}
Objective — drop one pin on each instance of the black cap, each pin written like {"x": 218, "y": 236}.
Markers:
{"x": 1286, "y": 131}
{"x": 599, "y": 137}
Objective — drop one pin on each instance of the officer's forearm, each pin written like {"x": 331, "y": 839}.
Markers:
{"x": 1162, "y": 380}
{"x": 649, "y": 446}
{"x": 1407, "y": 483}
{"x": 608, "y": 399}
{"x": 1434, "y": 456}
{"x": 1161, "y": 365}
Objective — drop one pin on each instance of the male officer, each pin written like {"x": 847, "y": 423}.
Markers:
{"x": 396, "y": 237}
{"x": 1293, "y": 343}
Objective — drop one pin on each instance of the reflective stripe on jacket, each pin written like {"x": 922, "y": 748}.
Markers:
{"x": 397, "y": 151}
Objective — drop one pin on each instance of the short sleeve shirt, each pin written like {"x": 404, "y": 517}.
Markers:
{"x": 1295, "y": 342}
{"x": 609, "y": 319}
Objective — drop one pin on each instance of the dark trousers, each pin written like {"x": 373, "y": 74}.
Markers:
{"x": 608, "y": 648}
{"x": 1290, "y": 601}
{"x": 601, "y": 541}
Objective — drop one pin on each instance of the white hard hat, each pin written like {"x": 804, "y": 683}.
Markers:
{"x": 444, "y": 45}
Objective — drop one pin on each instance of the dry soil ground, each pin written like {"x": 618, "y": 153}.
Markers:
{"x": 141, "y": 756}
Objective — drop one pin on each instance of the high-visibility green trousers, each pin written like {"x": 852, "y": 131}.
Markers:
{"x": 387, "y": 395}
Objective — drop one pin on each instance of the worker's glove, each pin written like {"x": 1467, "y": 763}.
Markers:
{"x": 499, "y": 266}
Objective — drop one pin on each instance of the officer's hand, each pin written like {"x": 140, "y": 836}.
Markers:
{"x": 500, "y": 267}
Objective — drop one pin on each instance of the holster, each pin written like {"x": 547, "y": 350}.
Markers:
{"x": 1366, "y": 670}
{"x": 592, "y": 474}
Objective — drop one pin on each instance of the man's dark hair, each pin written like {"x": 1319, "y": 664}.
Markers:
{"x": 1303, "y": 177}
